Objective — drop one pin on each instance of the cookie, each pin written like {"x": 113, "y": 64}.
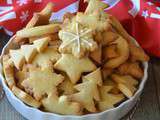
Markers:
{"x": 108, "y": 100}
{"x": 66, "y": 87}
{"x": 126, "y": 84}
{"x": 74, "y": 66}
{"x": 8, "y": 70}
{"x": 45, "y": 59}
{"x": 131, "y": 68}
{"x": 61, "y": 105}
{"x": 88, "y": 90}
{"x": 123, "y": 51}
{"x": 26, "y": 98}
{"x": 76, "y": 39}
{"x": 17, "y": 58}
{"x": 41, "y": 82}
{"x": 29, "y": 52}
{"x": 97, "y": 55}
{"x": 41, "y": 44}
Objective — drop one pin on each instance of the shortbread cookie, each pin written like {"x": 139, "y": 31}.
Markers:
{"x": 76, "y": 39}
{"x": 88, "y": 90}
{"x": 41, "y": 44}
{"x": 108, "y": 100}
{"x": 41, "y": 82}
{"x": 26, "y": 98}
{"x": 8, "y": 70}
{"x": 131, "y": 68}
{"x": 93, "y": 21}
{"x": 67, "y": 87}
{"x": 97, "y": 55}
{"x": 17, "y": 58}
{"x": 95, "y": 5}
{"x": 46, "y": 58}
{"x": 29, "y": 52}
{"x": 137, "y": 53}
{"x": 123, "y": 51}
{"x": 126, "y": 84}
{"x": 61, "y": 105}
{"x": 73, "y": 66}
{"x": 95, "y": 76}
{"x": 20, "y": 77}
{"x": 110, "y": 82}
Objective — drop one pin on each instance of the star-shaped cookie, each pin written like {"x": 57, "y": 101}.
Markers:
{"x": 73, "y": 66}
{"x": 76, "y": 39}
{"x": 41, "y": 82}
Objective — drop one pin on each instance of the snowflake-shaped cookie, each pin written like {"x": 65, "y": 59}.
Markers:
{"x": 77, "y": 39}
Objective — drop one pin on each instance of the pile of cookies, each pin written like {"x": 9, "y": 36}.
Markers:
{"x": 85, "y": 64}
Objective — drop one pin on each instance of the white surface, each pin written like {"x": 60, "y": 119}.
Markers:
{"x": 35, "y": 114}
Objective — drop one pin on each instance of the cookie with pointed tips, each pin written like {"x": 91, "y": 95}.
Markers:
{"x": 17, "y": 58}
{"x": 41, "y": 44}
{"x": 94, "y": 21}
{"x": 76, "y": 39}
{"x": 41, "y": 82}
{"x": 88, "y": 91}
{"x": 29, "y": 52}
{"x": 26, "y": 98}
{"x": 126, "y": 84}
{"x": 46, "y": 58}
{"x": 95, "y": 76}
{"x": 131, "y": 68}
{"x": 74, "y": 67}
{"x": 108, "y": 100}
{"x": 123, "y": 51}
{"x": 95, "y": 5}
{"x": 61, "y": 105}
{"x": 67, "y": 87}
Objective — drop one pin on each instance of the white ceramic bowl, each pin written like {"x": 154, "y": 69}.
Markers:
{"x": 35, "y": 114}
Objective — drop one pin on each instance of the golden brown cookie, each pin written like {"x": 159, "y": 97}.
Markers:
{"x": 74, "y": 66}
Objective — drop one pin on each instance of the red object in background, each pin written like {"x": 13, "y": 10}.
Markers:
{"x": 15, "y": 14}
{"x": 141, "y": 18}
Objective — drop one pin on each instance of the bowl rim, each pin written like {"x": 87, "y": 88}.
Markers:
{"x": 139, "y": 90}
